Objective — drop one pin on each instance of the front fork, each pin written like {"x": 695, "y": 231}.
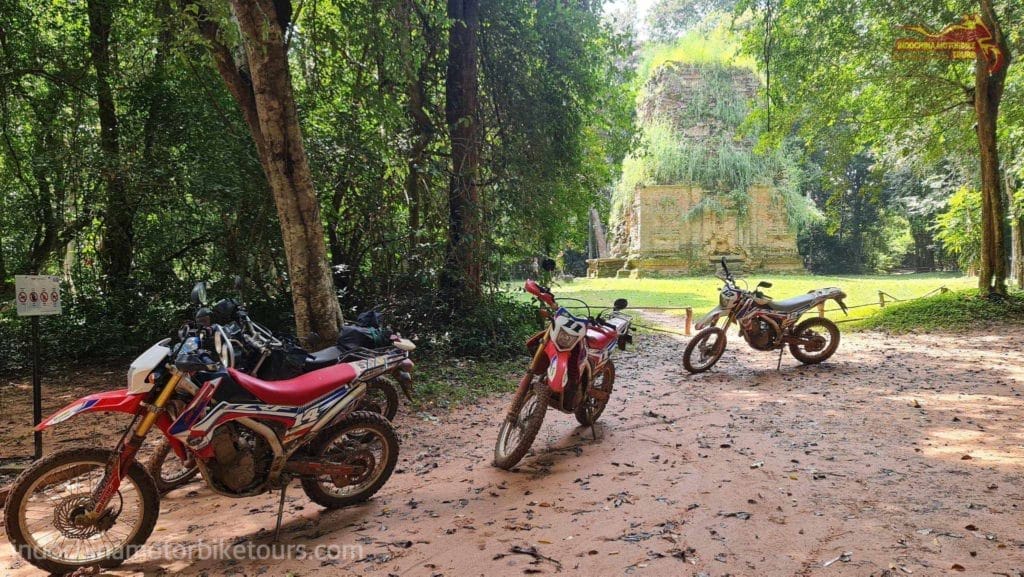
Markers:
{"x": 536, "y": 367}
{"x": 122, "y": 458}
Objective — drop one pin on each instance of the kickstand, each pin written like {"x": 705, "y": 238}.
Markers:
{"x": 593, "y": 430}
{"x": 280, "y": 513}
{"x": 778, "y": 367}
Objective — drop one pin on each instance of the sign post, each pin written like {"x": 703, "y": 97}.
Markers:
{"x": 36, "y": 296}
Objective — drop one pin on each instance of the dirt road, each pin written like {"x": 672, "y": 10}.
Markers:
{"x": 906, "y": 454}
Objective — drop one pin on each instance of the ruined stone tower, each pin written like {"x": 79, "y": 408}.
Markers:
{"x": 699, "y": 192}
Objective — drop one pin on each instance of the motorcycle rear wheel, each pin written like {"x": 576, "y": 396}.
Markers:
{"x": 363, "y": 438}
{"x": 167, "y": 470}
{"x": 589, "y": 411}
{"x": 815, "y": 327}
{"x": 521, "y": 424}
{"x": 64, "y": 482}
{"x": 381, "y": 397}
{"x": 708, "y": 345}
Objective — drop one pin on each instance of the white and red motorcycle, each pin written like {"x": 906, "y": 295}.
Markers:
{"x": 92, "y": 506}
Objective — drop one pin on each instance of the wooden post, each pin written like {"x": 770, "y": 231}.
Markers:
{"x": 881, "y": 299}
{"x": 821, "y": 309}
{"x": 689, "y": 321}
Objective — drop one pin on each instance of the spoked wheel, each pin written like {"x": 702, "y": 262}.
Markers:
{"x": 704, "y": 350}
{"x": 168, "y": 471}
{"x": 47, "y": 511}
{"x": 589, "y": 411}
{"x": 381, "y": 397}
{"x": 522, "y": 424}
{"x": 363, "y": 439}
{"x": 818, "y": 340}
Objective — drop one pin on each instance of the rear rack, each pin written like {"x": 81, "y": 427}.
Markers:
{"x": 376, "y": 361}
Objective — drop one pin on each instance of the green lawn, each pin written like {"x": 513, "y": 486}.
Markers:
{"x": 701, "y": 293}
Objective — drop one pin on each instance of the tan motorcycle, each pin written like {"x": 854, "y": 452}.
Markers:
{"x": 766, "y": 324}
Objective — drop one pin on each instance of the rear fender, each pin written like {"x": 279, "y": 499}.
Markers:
{"x": 558, "y": 367}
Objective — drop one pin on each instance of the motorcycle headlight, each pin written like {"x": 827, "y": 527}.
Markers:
{"x": 564, "y": 340}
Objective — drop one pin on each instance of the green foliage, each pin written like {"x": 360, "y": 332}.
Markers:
{"x": 953, "y": 311}
{"x": 959, "y": 227}
{"x": 836, "y": 83}
{"x": 714, "y": 44}
{"x": 556, "y": 112}
{"x": 668, "y": 19}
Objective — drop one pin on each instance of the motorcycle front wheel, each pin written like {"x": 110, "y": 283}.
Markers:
{"x": 521, "y": 424}
{"x": 45, "y": 512}
{"x": 819, "y": 340}
{"x": 704, "y": 350}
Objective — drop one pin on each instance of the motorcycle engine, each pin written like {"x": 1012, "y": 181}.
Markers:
{"x": 762, "y": 333}
{"x": 241, "y": 459}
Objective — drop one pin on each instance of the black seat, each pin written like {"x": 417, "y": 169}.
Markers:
{"x": 794, "y": 304}
{"x": 321, "y": 359}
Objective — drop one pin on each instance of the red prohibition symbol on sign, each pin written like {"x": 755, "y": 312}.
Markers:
{"x": 22, "y": 297}
{"x": 54, "y": 296}
{"x": 33, "y": 297}
{"x": 44, "y": 296}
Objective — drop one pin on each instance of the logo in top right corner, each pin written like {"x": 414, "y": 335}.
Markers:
{"x": 964, "y": 40}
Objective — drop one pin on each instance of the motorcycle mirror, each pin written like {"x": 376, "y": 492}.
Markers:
{"x": 548, "y": 264}
{"x": 764, "y": 284}
{"x": 620, "y": 304}
{"x": 199, "y": 293}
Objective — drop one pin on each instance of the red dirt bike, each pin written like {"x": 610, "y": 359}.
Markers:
{"x": 571, "y": 371}
{"x": 86, "y": 507}
{"x": 255, "y": 350}
{"x": 766, "y": 324}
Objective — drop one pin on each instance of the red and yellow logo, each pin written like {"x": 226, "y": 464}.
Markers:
{"x": 964, "y": 40}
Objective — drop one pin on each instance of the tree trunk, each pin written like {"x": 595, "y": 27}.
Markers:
{"x": 599, "y": 234}
{"x": 1016, "y": 236}
{"x": 117, "y": 235}
{"x": 416, "y": 85}
{"x": 263, "y": 89}
{"x": 461, "y": 278}
{"x": 988, "y": 92}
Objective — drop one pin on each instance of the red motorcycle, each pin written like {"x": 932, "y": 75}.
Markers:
{"x": 571, "y": 371}
{"x": 85, "y": 507}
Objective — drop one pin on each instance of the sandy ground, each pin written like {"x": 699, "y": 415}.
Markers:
{"x": 902, "y": 456}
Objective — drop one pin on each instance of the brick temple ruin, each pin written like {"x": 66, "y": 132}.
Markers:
{"x": 664, "y": 232}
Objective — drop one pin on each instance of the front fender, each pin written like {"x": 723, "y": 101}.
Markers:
{"x": 119, "y": 401}
{"x": 709, "y": 319}
{"x": 558, "y": 367}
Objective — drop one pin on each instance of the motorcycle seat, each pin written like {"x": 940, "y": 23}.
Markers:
{"x": 298, "y": 391}
{"x": 794, "y": 304}
{"x": 600, "y": 338}
{"x": 320, "y": 359}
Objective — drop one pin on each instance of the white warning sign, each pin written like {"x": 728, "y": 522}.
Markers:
{"x": 36, "y": 295}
